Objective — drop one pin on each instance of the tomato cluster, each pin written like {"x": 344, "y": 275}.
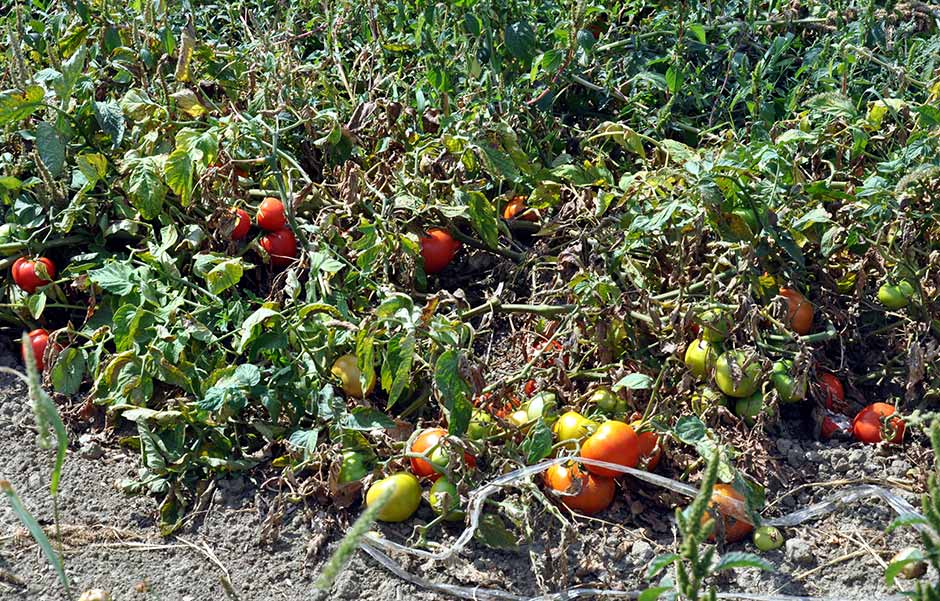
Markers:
{"x": 278, "y": 240}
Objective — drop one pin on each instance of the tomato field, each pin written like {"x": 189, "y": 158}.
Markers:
{"x": 483, "y": 265}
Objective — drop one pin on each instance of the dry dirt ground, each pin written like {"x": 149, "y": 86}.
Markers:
{"x": 113, "y": 542}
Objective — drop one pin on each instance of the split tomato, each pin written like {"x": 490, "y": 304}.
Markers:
{"x": 281, "y": 247}
{"x": 271, "y": 215}
{"x": 26, "y": 275}
{"x": 734, "y": 519}
{"x": 433, "y": 440}
{"x": 613, "y": 442}
{"x": 438, "y": 249}
{"x": 590, "y": 493}
{"x": 870, "y": 427}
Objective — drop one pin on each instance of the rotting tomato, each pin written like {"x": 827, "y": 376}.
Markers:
{"x": 270, "y": 215}
{"x": 833, "y": 394}
{"x": 346, "y": 368}
{"x": 737, "y": 374}
{"x": 516, "y": 209}
{"x": 529, "y": 387}
{"x": 725, "y": 501}
{"x": 571, "y": 427}
{"x": 700, "y": 357}
{"x": 445, "y": 500}
{"x": 438, "y": 249}
{"x": 281, "y": 247}
{"x": 28, "y": 277}
{"x": 433, "y": 439}
{"x": 613, "y": 442}
{"x": 242, "y": 223}
{"x": 590, "y": 493}
{"x": 869, "y": 426}
{"x": 404, "y": 500}
{"x": 799, "y": 311}
{"x": 39, "y": 340}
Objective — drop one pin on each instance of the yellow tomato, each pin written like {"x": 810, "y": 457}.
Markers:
{"x": 572, "y": 427}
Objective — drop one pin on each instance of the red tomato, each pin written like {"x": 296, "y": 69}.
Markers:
{"x": 271, "y": 215}
{"x": 614, "y": 442}
{"x": 833, "y": 393}
{"x": 735, "y": 521}
{"x": 438, "y": 249}
{"x": 428, "y": 439}
{"x": 281, "y": 246}
{"x": 529, "y": 387}
{"x": 799, "y": 311}
{"x": 242, "y": 224}
{"x": 868, "y": 425}
{"x": 25, "y": 276}
{"x": 39, "y": 339}
{"x": 593, "y": 493}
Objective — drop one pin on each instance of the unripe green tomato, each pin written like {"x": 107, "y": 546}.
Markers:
{"x": 700, "y": 357}
{"x": 748, "y": 409}
{"x": 725, "y": 371}
{"x": 404, "y": 500}
{"x": 768, "y": 538}
{"x": 353, "y": 467}
{"x": 542, "y": 405}
{"x": 608, "y": 402}
{"x": 715, "y": 325}
{"x": 896, "y": 296}
{"x": 705, "y": 399}
{"x": 790, "y": 389}
{"x": 444, "y": 497}
{"x": 481, "y": 425}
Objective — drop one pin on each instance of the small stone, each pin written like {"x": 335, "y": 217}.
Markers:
{"x": 857, "y": 457}
{"x": 641, "y": 551}
{"x": 784, "y": 445}
{"x": 799, "y": 551}
{"x": 795, "y": 458}
{"x": 91, "y": 450}
{"x": 814, "y": 457}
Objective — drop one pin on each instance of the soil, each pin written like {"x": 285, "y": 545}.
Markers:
{"x": 113, "y": 542}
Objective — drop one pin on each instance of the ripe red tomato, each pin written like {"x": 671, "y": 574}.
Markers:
{"x": 428, "y": 439}
{"x": 594, "y": 493}
{"x": 281, "y": 246}
{"x": 614, "y": 442}
{"x": 242, "y": 224}
{"x": 529, "y": 387}
{"x": 25, "y": 276}
{"x": 833, "y": 393}
{"x": 799, "y": 311}
{"x": 438, "y": 249}
{"x": 516, "y": 209}
{"x": 39, "y": 339}
{"x": 271, "y": 215}
{"x": 736, "y": 526}
{"x": 868, "y": 427}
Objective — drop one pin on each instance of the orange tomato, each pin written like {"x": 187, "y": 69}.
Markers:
{"x": 529, "y": 387}
{"x": 867, "y": 426}
{"x": 438, "y": 249}
{"x": 736, "y": 524}
{"x": 429, "y": 439}
{"x": 593, "y": 493}
{"x": 516, "y": 209}
{"x": 650, "y": 449}
{"x": 799, "y": 311}
{"x": 614, "y": 442}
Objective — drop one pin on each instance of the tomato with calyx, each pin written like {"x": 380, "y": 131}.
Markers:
{"x": 516, "y": 209}
{"x": 571, "y": 427}
{"x": 700, "y": 357}
{"x": 833, "y": 394}
{"x": 281, "y": 247}
{"x": 789, "y": 388}
{"x": 433, "y": 440}
{"x": 39, "y": 340}
{"x": 445, "y": 500}
{"x": 27, "y": 273}
{"x": 715, "y": 324}
{"x": 734, "y": 518}
{"x": 870, "y": 427}
{"x": 590, "y": 493}
{"x": 613, "y": 442}
{"x": 737, "y": 374}
{"x": 799, "y": 311}
{"x": 270, "y": 215}
{"x": 242, "y": 223}
{"x": 438, "y": 249}
{"x": 405, "y": 497}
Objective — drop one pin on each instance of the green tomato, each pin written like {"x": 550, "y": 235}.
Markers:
{"x": 748, "y": 409}
{"x": 715, "y": 324}
{"x": 789, "y": 388}
{"x": 700, "y": 357}
{"x": 405, "y": 496}
{"x": 705, "y": 399}
{"x": 608, "y": 402}
{"x": 542, "y": 405}
{"x": 896, "y": 296}
{"x": 354, "y": 467}
{"x": 739, "y": 363}
{"x": 768, "y": 538}
{"x": 445, "y": 498}
{"x": 481, "y": 425}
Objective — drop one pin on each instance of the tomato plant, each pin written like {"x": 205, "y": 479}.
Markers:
{"x": 432, "y": 442}
{"x": 281, "y": 246}
{"x": 438, "y": 249}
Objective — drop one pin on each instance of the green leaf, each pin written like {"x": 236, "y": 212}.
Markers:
{"x": 306, "y": 440}
{"x": 93, "y": 166}
{"x": 520, "y": 40}
{"x": 146, "y": 188}
{"x": 225, "y": 275}
{"x": 659, "y": 563}
{"x": 454, "y": 391}
{"x": 405, "y": 357}
{"x": 366, "y": 418}
{"x": 38, "y": 534}
{"x": 111, "y": 120}
{"x": 250, "y": 326}
{"x": 906, "y": 519}
{"x": 652, "y": 594}
{"x": 740, "y": 559}
{"x": 15, "y": 107}
{"x": 126, "y": 322}
{"x": 538, "y": 442}
{"x": 51, "y": 147}
{"x": 36, "y": 303}
{"x": 203, "y": 147}
{"x": 68, "y": 371}
{"x": 690, "y": 429}
{"x": 116, "y": 278}
{"x": 493, "y": 533}
{"x": 633, "y": 381}
{"x": 187, "y": 102}
{"x": 178, "y": 172}
{"x": 482, "y": 216}
{"x": 674, "y": 78}
{"x": 698, "y": 31}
